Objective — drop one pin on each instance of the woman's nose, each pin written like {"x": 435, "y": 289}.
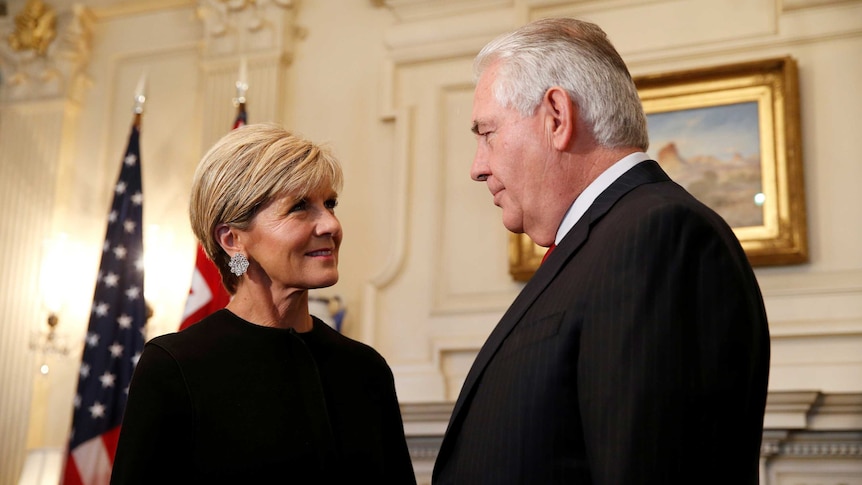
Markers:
{"x": 328, "y": 223}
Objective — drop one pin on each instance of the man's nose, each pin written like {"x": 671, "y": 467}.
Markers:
{"x": 480, "y": 171}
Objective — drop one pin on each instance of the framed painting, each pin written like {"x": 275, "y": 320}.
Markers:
{"x": 730, "y": 135}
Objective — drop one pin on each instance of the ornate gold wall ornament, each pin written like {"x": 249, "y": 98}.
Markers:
{"x": 58, "y": 68}
{"x": 34, "y": 28}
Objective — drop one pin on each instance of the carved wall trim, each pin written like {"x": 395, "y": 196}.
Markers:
{"x": 818, "y": 448}
{"x": 401, "y": 190}
{"x": 832, "y": 448}
{"x": 244, "y": 26}
{"x": 813, "y": 410}
{"x": 789, "y": 5}
{"x": 429, "y": 30}
{"x": 30, "y": 141}
{"x": 59, "y": 72}
{"x": 406, "y": 10}
{"x": 137, "y": 7}
{"x": 261, "y": 32}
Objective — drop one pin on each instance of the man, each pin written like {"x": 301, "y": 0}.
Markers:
{"x": 639, "y": 351}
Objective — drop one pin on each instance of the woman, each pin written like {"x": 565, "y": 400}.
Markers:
{"x": 261, "y": 391}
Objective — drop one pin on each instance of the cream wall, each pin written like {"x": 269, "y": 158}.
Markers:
{"x": 387, "y": 84}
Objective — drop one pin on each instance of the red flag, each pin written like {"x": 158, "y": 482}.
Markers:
{"x": 207, "y": 294}
{"x": 115, "y": 333}
{"x": 240, "y": 116}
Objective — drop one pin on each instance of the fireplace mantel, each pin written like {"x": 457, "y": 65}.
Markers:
{"x": 809, "y": 436}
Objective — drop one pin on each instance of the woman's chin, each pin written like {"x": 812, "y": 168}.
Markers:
{"x": 324, "y": 283}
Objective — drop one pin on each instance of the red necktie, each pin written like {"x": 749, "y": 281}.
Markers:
{"x": 548, "y": 253}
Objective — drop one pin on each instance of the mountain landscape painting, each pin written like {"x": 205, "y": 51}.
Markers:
{"x": 714, "y": 152}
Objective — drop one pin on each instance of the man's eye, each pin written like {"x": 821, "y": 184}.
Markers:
{"x": 331, "y": 204}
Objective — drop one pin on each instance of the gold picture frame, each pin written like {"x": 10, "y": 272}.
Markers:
{"x": 760, "y": 192}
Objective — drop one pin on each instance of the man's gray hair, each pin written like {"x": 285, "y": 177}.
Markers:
{"x": 578, "y": 57}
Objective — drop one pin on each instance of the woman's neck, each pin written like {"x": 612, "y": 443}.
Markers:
{"x": 282, "y": 309}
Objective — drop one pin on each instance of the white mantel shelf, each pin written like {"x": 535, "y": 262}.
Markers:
{"x": 796, "y": 423}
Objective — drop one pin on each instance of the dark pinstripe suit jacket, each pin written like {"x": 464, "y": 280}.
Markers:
{"x": 638, "y": 353}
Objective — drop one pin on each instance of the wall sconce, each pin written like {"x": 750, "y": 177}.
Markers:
{"x": 53, "y": 285}
{"x": 49, "y": 342}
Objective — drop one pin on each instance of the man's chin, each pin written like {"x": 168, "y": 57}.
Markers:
{"x": 513, "y": 226}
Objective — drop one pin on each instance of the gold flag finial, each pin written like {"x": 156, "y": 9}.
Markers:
{"x": 140, "y": 99}
{"x": 241, "y": 82}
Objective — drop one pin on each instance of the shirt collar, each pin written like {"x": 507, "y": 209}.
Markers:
{"x": 588, "y": 196}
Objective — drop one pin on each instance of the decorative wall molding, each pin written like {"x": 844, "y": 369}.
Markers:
{"x": 818, "y": 445}
{"x": 789, "y": 5}
{"x": 778, "y": 30}
{"x": 406, "y": 10}
{"x": 30, "y": 144}
{"x": 261, "y": 32}
{"x": 794, "y": 303}
{"x": 433, "y": 29}
{"x": 804, "y": 444}
{"x": 445, "y": 38}
{"x": 395, "y": 262}
{"x": 244, "y": 26}
{"x": 129, "y": 8}
{"x": 823, "y": 283}
{"x": 57, "y": 73}
{"x": 813, "y": 410}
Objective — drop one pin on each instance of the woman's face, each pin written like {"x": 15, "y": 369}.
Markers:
{"x": 293, "y": 243}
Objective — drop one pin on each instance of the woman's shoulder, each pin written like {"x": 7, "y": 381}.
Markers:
{"x": 208, "y": 330}
{"x": 344, "y": 346}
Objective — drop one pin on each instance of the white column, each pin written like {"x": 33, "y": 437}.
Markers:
{"x": 40, "y": 85}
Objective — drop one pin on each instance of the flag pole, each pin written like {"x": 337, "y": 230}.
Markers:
{"x": 241, "y": 90}
{"x": 140, "y": 100}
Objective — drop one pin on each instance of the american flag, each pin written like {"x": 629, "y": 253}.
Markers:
{"x": 207, "y": 294}
{"x": 115, "y": 334}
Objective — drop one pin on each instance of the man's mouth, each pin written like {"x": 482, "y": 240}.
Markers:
{"x": 497, "y": 196}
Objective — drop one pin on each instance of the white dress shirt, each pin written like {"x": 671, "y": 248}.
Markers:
{"x": 588, "y": 196}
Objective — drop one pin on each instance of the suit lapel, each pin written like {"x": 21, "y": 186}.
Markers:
{"x": 642, "y": 173}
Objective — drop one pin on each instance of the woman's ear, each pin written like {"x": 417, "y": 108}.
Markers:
{"x": 561, "y": 114}
{"x": 226, "y": 238}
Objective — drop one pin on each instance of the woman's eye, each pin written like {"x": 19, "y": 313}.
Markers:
{"x": 298, "y": 206}
{"x": 331, "y": 204}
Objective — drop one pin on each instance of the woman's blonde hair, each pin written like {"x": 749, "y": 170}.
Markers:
{"x": 246, "y": 169}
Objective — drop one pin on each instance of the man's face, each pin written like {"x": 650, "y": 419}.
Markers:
{"x": 513, "y": 158}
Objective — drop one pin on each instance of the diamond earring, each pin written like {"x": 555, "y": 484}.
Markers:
{"x": 238, "y": 264}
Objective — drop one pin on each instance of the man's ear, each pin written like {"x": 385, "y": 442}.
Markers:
{"x": 227, "y": 239}
{"x": 561, "y": 114}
